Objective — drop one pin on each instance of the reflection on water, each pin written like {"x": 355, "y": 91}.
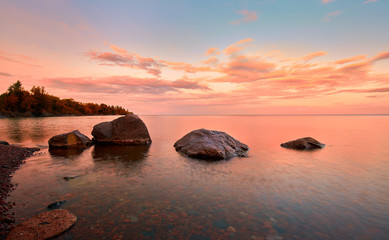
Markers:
{"x": 122, "y": 153}
{"x": 152, "y": 192}
{"x": 65, "y": 152}
{"x": 15, "y": 132}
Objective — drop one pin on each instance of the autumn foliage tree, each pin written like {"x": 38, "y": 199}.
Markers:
{"x": 16, "y": 101}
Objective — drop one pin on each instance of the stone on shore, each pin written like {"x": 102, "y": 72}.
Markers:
{"x": 306, "y": 143}
{"x": 43, "y": 226}
{"x": 210, "y": 145}
{"x": 127, "y": 130}
{"x": 73, "y": 139}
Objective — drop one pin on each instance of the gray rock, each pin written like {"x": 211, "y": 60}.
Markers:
{"x": 73, "y": 139}
{"x": 306, "y": 143}
{"x": 212, "y": 145}
{"x": 127, "y": 130}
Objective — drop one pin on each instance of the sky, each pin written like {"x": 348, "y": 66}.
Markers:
{"x": 201, "y": 57}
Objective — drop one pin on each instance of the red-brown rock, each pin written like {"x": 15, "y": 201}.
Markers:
{"x": 306, "y": 143}
{"x": 73, "y": 139}
{"x": 212, "y": 145}
{"x": 43, "y": 226}
{"x": 127, "y": 130}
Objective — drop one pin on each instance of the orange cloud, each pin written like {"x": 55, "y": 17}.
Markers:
{"x": 242, "y": 80}
{"x": 351, "y": 59}
{"x": 212, "y": 51}
{"x": 248, "y": 16}
{"x": 313, "y": 55}
{"x": 211, "y": 60}
{"x": 381, "y": 56}
{"x": 236, "y": 47}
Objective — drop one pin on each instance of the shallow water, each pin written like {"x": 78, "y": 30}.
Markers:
{"x": 130, "y": 192}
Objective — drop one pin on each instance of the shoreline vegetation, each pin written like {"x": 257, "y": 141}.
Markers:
{"x": 18, "y": 102}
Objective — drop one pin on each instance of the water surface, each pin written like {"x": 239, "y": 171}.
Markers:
{"x": 139, "y": 192}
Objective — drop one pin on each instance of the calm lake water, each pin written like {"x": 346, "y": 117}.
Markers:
{"x": 339, "y": 192}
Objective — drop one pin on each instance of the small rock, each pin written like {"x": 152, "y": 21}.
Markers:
{"x": 210, "y": 145}
{"x": 56, "y": 204}
{"x": 67, "y": 178}
{"x": 134, "y": 219}
{"x": 73, "y": 139}
{"x": 306, "y": 143}
{"x": 43, "y": 226}
{"x": 231, "y": 229}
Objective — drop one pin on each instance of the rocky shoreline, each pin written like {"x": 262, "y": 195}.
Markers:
{"x": 11, "y": 157}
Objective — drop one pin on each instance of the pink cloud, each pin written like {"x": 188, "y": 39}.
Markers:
{"x": 123, "y": 84}
{"x": 328, "y": 1}
{"x": 370, "y": 1}
{"x": 5, "y": 74}
{"x": 329, "y": 17}
{"x": 126, "y": 59}
{"x": 247, "y": 79}
{"x": 248, "y": 16}
{"x": 19, "y": 59}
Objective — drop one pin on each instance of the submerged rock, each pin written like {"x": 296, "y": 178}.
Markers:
{"x": 208, "y": 144}
{"x": 44, "y": 225}
{"x": 127, "y": 130}
{"x": 306, "y": 143}
{"x": 56, "y": 204}
{"x": 67, "y": 178}
{"x": 73, "y": 139}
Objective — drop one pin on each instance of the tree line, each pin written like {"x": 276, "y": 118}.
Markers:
{"x": 18, "y": 102}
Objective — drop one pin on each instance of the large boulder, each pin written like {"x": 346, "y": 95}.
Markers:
{"x": 210, "y": 145}
{"x": 73, "y": 139}
{"x": 127, "y": 130}
{"x": 306, "y": 143}
{"x": 4, "y": 143}
{"x": 43, "y": 226}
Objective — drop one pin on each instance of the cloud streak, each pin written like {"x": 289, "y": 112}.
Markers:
{"x": 247, "y": 16}
{"x": 330, "y": 16}
{"x": 126, "y": 59}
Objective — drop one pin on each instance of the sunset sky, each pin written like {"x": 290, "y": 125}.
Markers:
{"x": 201, "y": 56}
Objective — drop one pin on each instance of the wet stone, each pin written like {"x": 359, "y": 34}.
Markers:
{"x": 56, "y": 204}
{"x": 134, "y": 219}
{"x": 221, "y": 224}
{"x": 199, "y": 237}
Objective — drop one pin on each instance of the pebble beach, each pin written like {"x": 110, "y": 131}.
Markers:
{"x": 11, "y": 157}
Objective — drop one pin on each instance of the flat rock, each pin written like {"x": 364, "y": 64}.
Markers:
{"x": 306, "y": 143}
{"x": 127, "y": 130}
{"x": 209, "y": 144}
{"x": 43, "y": 226}
{"x": 73, "y": 139}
